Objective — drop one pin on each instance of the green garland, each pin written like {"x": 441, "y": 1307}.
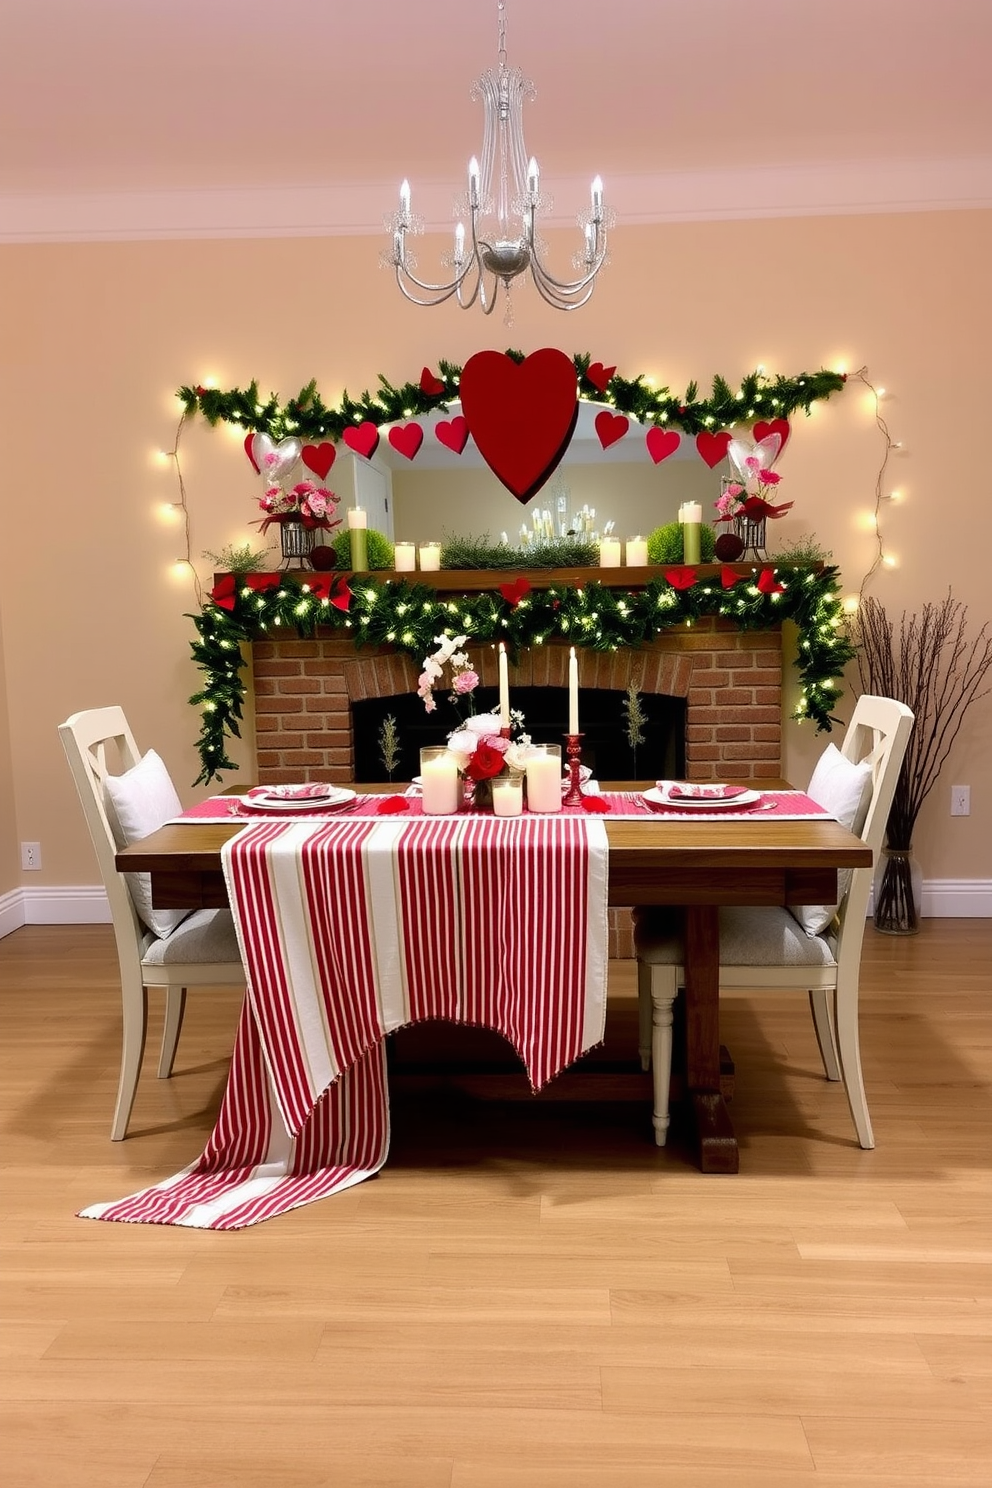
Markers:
{"x": 408, "y": 616}
{"x": 308, "y": 417}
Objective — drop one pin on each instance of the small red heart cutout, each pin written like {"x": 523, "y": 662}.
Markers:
{"x": 319, "y": 458}
{"x": 779, "y": 426}
{"x": 661, "y": 443}
{"x": 682, "y": 577}
{"x": 713, "y": 447}
{"x": 610, "y": 427}
{"x": 406, "y": 439}
{"x": 600, "y": 376}
{"x": 515, "y": 591}
{"x": 364, "y": 439}
{"x": 453, "y": 433}
{"x": 430, "y": 384}
{"x": 248, "y": 443}
{"x": 768, "y": 584}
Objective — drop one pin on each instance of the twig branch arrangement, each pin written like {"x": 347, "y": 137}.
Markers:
{"x": 930, "y": 666}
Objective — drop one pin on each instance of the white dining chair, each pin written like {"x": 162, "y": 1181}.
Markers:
{"x": 816, "y": 949}
{"x": 126, "y": 796}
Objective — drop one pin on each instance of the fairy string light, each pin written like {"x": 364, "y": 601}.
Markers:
{"x": 881, "y": 557}
{"x": 182, "y": 504}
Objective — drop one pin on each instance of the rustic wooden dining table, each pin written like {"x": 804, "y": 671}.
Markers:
{"x": 654, "y": 859}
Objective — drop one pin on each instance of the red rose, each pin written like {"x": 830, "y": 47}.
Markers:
{"x": 484, "y": 763}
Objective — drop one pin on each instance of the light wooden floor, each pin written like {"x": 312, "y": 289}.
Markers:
{"x": 530, "y": 1295}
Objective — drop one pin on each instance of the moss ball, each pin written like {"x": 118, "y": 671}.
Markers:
{"x": 665, "y": 544}
{"x": 378, "y": 548}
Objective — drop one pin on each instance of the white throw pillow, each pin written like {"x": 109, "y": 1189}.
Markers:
{"x": 844, "y": 789}
{"x": 139, "y": 802}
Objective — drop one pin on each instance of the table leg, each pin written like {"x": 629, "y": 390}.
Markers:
{"x": 714, "y": 1132}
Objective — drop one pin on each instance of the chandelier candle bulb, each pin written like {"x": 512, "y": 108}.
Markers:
{"x": 637, "y": 552}
{"x": 573, "y": 692}
{"x": 430, "y": 557}
{"x": 544, "y": 778}
{"x": 504, "y": 688}
{"x": 357, "y": 528}
{"x": 692, "y": 521}
{"x": 609, "y": 552}
{"x": 405, "y": 557}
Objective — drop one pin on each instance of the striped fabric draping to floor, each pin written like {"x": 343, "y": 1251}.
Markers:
{"x": 352, "y": 927}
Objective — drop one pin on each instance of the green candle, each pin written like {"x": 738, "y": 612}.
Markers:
{"x": 357, "y": 529}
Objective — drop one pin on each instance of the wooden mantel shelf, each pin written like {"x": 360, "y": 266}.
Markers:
{"x": 477, "y": 580}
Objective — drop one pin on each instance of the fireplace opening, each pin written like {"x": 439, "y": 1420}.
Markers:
{"x": 606, "y": 748}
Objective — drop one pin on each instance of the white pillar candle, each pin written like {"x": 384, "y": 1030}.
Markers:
{"x": 544, "y": 778}
{"x": 440, "y": 784}
{"x": 430, "y": 557}
{"x": 504, "y": 688}
{"x": 508, "y": 795}
{"x": 573, "y": 693}
{"x": 609, "y": 552}
{"x": 637, "y": 552}
{"x": 405, "y": 557}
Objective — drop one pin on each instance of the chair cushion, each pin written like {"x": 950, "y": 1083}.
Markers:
{"x": 844, "y": 789}
{"x": 765, "y": 936}
{"x": 139, "y": 802}
{"x": 206, "y": 935}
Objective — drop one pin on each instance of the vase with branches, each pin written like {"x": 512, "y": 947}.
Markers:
{"x": 929, "y": 664}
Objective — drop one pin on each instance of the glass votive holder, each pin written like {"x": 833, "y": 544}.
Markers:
{"x": 543, "y": 767}
{"x": 430, "y": 557}
{"x": 508, "y": 794}
{"x": 405, "y": 557}
{"x": 637, "y": 552}
{"x": 440, "y": 783}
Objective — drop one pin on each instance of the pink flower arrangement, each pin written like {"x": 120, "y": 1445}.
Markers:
{"x": 314, "y": 506}
{"x": 480, "y": 747}
{"x": 747, "y": 497}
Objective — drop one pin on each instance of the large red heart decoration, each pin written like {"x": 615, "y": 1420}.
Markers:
{"x": 520, "y": 414}
{"x": 406, "y": 439}
{"x": 319, "y": 458}
{"x": 429, "y": 384}
{"x": 453, "y": 433}
{"x": 610, "y": 427}
{"x": 600, "y": 376}
{"x": 779, "y": 426}
{"x": 249, "y": 440}
{"x": 713, "y": 447}
{"x": 364, "y": 439}
{"x": 661, "y": 443}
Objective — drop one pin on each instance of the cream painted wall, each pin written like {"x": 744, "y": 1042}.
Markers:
{"x": 97, "y": 338}
{"x": 9, "y": 853}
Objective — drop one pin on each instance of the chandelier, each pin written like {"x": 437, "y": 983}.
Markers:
{"x": 503, "y": 200}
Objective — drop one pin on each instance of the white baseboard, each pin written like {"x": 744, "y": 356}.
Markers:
{"x": 86, "y": 904}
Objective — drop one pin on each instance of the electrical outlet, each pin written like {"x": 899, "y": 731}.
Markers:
{"x": 30, "y": 854}
{"x": 960, "y": 800}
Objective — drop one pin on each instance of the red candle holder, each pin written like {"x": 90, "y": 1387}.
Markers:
{"x": 573, "y": 754}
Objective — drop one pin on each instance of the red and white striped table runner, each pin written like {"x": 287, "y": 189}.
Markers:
{"x": 353, "y": 927}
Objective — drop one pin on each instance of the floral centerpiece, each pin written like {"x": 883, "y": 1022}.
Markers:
{"x": 314, "y": 506}
{"x": 482, "y": 747}
{"x": 744, "y": 501}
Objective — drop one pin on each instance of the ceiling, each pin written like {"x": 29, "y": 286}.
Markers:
{"x": 137, "y": 118}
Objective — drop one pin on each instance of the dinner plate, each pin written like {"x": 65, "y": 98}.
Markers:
{"x": 656, "y": 798}
{"x": 331, "y": 798}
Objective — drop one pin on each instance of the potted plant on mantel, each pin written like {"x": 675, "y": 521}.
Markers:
{"x": 931, "y": 668}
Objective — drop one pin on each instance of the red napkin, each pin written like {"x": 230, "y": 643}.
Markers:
{"x": 705, "y": 792}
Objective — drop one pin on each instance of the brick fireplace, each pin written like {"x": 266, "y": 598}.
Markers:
{"x": 731, "y": 681}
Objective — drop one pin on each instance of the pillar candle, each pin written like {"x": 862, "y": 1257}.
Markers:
{"x": 357, "y": 524}
{"x": 439, "y": 783}
{"x": 405, "y": 557}
{"x": 609, "y": 552}
{"x": 637, "y": 552}
{"x": 504, "y": 688}
{"x": 508, "y": 795}
{"x": 430, "y": 556}
{"x": 544, "y": 778}
{"x": 573, "y": 693}
{"x": 693, "y": 516}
